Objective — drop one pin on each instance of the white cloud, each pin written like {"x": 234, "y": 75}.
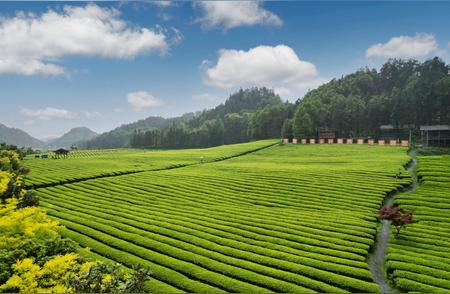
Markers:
{"x": 92, "y": 114}
{"x": 162, "y": 3}
{"x": 118, "y": 110}
{"x": 142, "y": 99}
{"x": 47, "y": 113}
{"x": 278, "y": 67}
{"x": 206, "y": 97}
{"x": 232, "y": 14}
{"x": 420, "y": 45}
{"x": 283, "y": 91}
{"x": 30, "y": 44}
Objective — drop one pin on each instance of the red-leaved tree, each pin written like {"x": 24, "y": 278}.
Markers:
{"x": 398, "y": 216}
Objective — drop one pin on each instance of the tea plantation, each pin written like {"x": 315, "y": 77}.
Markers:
{"x": 287, "y": 218}
{"x": 418, "y": 260}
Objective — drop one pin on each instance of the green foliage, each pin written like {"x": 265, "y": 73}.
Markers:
{"x": 255, "y": 113}
{"x": 107, "y": 278}
{"x": 403, "y": 92}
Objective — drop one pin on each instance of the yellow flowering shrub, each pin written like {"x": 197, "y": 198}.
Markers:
{"x": 30, "y": 277}
{"x": 4, "y": 180}
{"x": 26, "y": 223}
{"x": 34, "y": 258}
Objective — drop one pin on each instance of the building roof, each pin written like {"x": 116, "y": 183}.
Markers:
{"x": 61, "y": 150}
{"x": 435, "y": 128}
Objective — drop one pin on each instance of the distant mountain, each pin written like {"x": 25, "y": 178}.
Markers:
{"x": 18, "y": 137}
{"x": 121, "y": 136}
{"x": 74, "y": 137}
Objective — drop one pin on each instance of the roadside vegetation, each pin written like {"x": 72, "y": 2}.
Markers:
{"x": 33, "y": 255}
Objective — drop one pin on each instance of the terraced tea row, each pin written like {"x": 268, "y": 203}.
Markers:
{"x": 82, "y": 165}
{"x": 283, "y": 225}
{"x": 418, "y": 258}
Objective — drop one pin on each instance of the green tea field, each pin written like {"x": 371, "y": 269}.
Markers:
{"x": 419, "y": 260}
{"x": 286, "y": 218}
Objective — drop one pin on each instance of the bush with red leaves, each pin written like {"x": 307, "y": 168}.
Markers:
{"x": 398, "y": 216}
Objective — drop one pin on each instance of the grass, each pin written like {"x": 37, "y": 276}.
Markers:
{"x": 287, "y": 218}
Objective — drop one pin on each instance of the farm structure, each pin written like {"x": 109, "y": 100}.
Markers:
{"x": 61, "y": 152}
{"x": 390, "y": 132}
{"x": 326, "y": 134}
{"x": 435, "y": 135}
{"x": 359, "y": 141}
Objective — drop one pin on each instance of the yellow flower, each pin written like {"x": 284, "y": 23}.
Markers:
{"x": 107, "y": 278}
{"x": 59, "y": 265}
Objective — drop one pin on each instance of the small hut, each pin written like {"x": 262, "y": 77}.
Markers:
{"x": 61, "y": 152}
{"x": 435, "y": 135}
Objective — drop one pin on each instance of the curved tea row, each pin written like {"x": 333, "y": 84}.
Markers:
{"x": 284, "y": 219}
{"x": 418, "y": 260}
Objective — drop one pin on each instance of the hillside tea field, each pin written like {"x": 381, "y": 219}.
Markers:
{"x": 97, "y": 163}
{"x": 291, "y": 218}
{"x": 419, "y": 259}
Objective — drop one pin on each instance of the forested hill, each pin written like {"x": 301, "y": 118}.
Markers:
{"x": 403, "y": 93}
{"x": 121, "y": 136}
{"x": 254, "y": 113}
{"x": 74, "y": 137}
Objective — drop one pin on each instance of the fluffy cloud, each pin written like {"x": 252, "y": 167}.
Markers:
{"x": 142, "y": 99}
{"x": 30, "y": 44}
{"x": 278, "y": 67}
{"x": 420, "y": 45}
{"x": 47, "y": 113}
{"x": 206, "y": 97}
{"x": 231, "y": 14}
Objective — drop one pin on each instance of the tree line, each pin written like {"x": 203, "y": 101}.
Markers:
{"x": 403, "y": 93}
{"x": 250, "y": 114}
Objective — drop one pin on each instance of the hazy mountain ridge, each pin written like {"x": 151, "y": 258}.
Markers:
{"x": 74, "y": 137}
{"x": 19, "y": 137}
{"x": 120, "y": 137}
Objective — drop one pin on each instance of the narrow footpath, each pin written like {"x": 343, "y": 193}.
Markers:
{"x": 377, "y": 257}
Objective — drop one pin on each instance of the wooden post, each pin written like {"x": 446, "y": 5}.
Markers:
{"x": 330, "y": 141}
{"x": 350, "y": 141}
{"x": 321, "y": 141}
{"x": 370, "y": 142}
{"x": 304, "y": 141}
{"x": 393, "y": 142}
{"x": 340, "y": 141}
{"x": 381, "y": 142}
{"x": 285, "y": 141}
{"x": 294, "y": 141}
{"x": 312, "y": 141}
{"x": 360, "y": 141}
{"x": 405, "y": 143}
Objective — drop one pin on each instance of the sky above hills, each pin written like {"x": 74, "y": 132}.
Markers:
{"x": 102, "y": 64}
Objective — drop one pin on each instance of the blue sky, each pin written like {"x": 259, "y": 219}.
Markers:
{"x": 102, "y": 64}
